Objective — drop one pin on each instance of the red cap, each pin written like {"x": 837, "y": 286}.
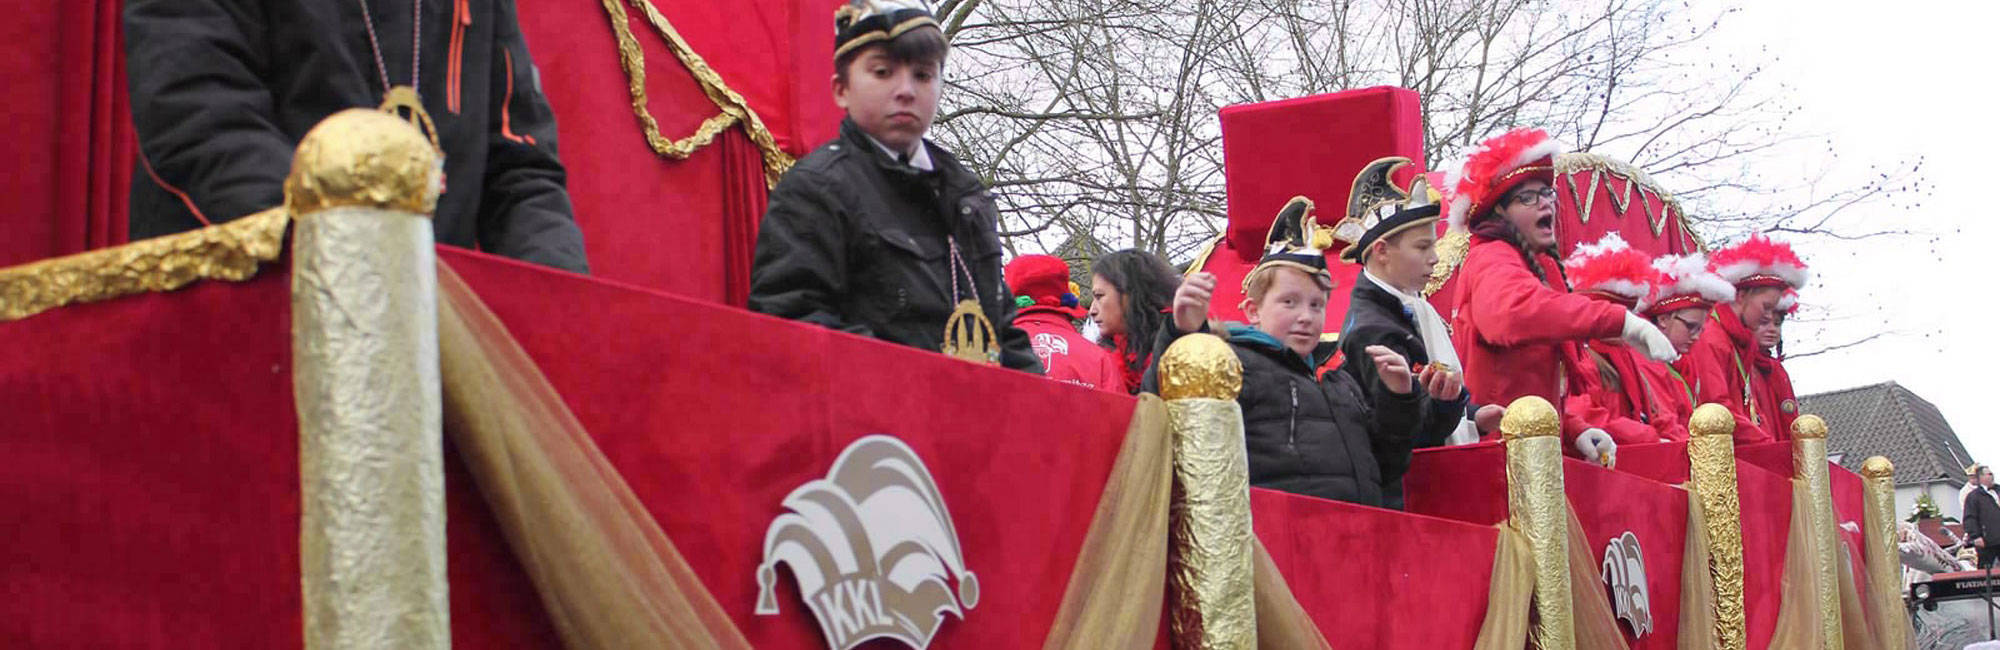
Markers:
{"x": 1496, "y": 166}
{"x": 1045, "y": 278}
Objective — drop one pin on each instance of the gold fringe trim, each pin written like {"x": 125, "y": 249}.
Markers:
{"x": 231, "y": 251}
{"x": 734, "y": 109}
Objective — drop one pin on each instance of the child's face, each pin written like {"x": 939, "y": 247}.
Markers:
{"x": 1292, "y": 310}
{"x": 893, "y": 102}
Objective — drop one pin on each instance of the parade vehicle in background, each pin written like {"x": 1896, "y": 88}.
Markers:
{"x": 310, "y": 428}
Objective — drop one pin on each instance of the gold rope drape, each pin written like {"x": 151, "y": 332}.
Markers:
{"x": 1115, "y": 588}
{"x": 735, "y": 110}
{"x": 1509, "y": 595}
{"x": 231, "y": 251}
{"x": 1698, "y": 606}
{"x": 1798, "y": 609}
{"x": 606, "y": 573}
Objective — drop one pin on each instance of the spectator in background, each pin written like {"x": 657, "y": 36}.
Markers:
{"x": 1982, "y": 514}
{"x": 1131, "y": 291}
{"x": 1048, "y": 313}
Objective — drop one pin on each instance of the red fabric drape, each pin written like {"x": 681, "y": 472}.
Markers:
{"x": 70, "y": 128}
{"x": 684, "y": 226}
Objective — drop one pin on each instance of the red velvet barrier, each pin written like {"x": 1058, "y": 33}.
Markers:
{"x": 1848, "y": 498}
{"x": 150, "y": 492}
{"x": 1373, "y": 578}
{"x": 70, "y": 127}
{"x": 1666, "y": 462}
{"x": 715, "y": 414}
{"x": 1766, "y": 501}
{"x": 1469, "y": 484}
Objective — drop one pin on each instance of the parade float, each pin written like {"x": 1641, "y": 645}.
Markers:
{"x": 310, "y": 427}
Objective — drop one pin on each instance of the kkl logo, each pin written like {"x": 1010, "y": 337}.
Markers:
{"x": 872, "y": 547}
{"x": 1625, "y": 574}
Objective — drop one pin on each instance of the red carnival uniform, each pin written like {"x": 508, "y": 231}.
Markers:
{"x": 1516, "y": 333}
{"x": 1065, "y": 354}
{"x": 1720, "y": 370}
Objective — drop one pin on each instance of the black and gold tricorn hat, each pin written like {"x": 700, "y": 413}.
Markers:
{"x": 860, "y": 22}
{"x": 1378, "y": 208}
{"x": 1295, "y": 241}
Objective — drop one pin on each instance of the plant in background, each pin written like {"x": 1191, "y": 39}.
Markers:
{"x": 1924, "y": 509}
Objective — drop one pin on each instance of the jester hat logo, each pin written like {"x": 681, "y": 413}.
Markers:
{"x": 872, "y": 547}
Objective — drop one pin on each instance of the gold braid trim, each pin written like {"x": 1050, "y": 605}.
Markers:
{"x": 231, "y": 251}
{"x": 734, "y": 109}
{"x": 1451, "y": 249}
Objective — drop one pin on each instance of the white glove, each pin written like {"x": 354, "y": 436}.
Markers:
{"x": 1597, "y": 447}
{"x": 1648, "y": 339}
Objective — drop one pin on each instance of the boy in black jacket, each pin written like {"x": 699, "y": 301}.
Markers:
{"x": 1308, "y": 426}
{"x": 880, "y": 232}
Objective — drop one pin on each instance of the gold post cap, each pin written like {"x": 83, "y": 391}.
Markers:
{"x": 1809, "y": 426}
{"x": 1200, "y": 365}
{"x": 1712, "y": 419}
{"x": 1530, "y": 417}
{"x": 1878, "y": 467}
{"x": 367, "y": 158}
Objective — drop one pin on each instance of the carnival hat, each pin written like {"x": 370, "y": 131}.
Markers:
{"x": 1294, "y": 241}
{"x": 1041, "y": 280}
{"x": 1378, "y": 209}
{"x": 1494, "y": 168}
{"x": 860, "y": 22}
{"x": 1685, "y": 283}
{"x": 1613, "y": 270}
{"x": 1760, "y": 262}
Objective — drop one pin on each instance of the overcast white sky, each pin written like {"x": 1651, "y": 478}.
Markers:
{"x": 1889, "y": 82}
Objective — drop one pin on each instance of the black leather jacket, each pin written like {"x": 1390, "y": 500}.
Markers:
{"x": 859, "y": 242}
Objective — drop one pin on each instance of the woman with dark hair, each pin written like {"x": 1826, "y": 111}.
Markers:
{"x": 1130, "y": 293}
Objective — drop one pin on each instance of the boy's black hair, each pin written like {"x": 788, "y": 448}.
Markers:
{"x": 923, "y": 45}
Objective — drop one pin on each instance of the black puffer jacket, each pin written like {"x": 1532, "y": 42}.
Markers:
{"x": 856, "y": 241}
{"x": 1313, "y": 436}
{"x": 222, "y": 90}
{"x": 1376, "y": 317}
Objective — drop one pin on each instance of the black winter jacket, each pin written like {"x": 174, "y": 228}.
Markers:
{"x": 1314, "y": 436}
{"x": 1377, "y": 317}
{"x": 222, "y": 91}
{"x": 1982, "y": 519}
{"x": 856, "y": 241}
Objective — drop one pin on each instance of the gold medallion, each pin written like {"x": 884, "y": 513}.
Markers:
{"x": 969, "y": 335}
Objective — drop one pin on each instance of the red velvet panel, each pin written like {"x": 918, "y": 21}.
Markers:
{"x": 714, "y": 414}
{"x": 684, "y": 226}
{"x": 1373, "y": 578}
{"x": 1666, "y": 462}
{"x": 151, "y": 484}
{"x": 65, "y": 67}
{"x": 1848, "y": 497}
{"x": 1766, "y": 501}
{"x": 1608, "y": 504}
{"x": 1469, "y": 484}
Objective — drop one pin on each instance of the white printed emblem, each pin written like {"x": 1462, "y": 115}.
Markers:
{"x": 872, "y": 547}
{"x": 1625, "y": 575}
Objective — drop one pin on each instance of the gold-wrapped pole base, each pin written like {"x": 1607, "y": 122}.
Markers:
{"x": 371, "y": 463}
{"x": 1810, "y": 466}
{"x": 1712, "y": 483}
{"x": 1211, "y": 544}
{"x": 1537, "y": 507}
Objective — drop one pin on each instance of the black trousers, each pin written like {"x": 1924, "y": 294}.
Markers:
{"x": 1987, "y": 556}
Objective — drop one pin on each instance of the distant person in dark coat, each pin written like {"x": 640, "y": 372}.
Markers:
{"x": 1982, "y": 515}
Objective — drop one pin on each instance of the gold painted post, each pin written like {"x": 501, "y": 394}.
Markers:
{"x": 1209, "y": 580}
{"x": 1809, "y": 463}
{"x": 1885, "y": 564}
{"x": 1538, "y": 508}
{"x": 1712, "y": 482}
{"x": 365, "y": 380}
